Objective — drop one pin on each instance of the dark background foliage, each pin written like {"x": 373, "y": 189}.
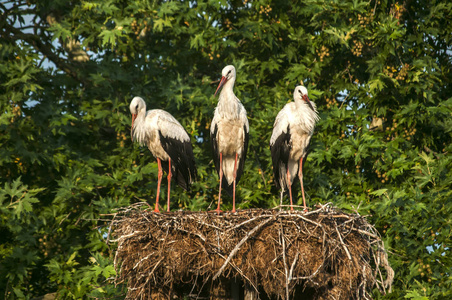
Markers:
{"x": 379, "y": 72}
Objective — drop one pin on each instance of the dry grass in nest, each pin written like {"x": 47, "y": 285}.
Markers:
{"x": 279, "y": 254}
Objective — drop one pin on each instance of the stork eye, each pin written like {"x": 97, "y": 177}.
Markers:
{"x": 136, "y": 107}
{"x": 229, "y": 72}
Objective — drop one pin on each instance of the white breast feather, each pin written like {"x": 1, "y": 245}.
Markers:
{"x": 293, "y": 114}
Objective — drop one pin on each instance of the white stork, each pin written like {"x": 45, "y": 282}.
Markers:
{"x": 229, "y": 133}
{"x": 292, "y": 132}
{"x": 168, "y": 142}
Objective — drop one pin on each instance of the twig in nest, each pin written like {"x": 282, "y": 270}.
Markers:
{"x": 283, "y": 240}
{"x": 367, "y": 233}
{"x": 310, "y": 276}
{"x": 121, "y": 238}
{"x": 293, "y": 266}
{"x": 343, "y": 244}
{"x": 141, "y": 260}
{"x": 248, "y": 221}
{"x": 383, "y": 260}
{"x": 362, "y": 286}
{"x": 241, "y": 273}
{"x": 237, "y": 247}
{"x": 309, "y": 221}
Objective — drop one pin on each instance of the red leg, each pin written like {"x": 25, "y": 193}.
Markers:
{"x": 290, "y": 189}
{"x": 235, "y": 176}
{"x": 160, "y": 174}
{"x": 300, "y": 176}
{"x": 221, "y": 179}
{"x": 169, "y": 184}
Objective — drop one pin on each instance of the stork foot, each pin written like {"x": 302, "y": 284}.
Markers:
{"x": 218, "y": 211}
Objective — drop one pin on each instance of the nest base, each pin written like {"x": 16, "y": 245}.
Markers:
{"x": 265, "y": 253}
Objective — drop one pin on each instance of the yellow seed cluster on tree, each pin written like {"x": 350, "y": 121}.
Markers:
{"x": 228, "y": 24}
{"x": 330, "y": 102}
{"x": 17, "y": 161}
{"x": 403, "y": 72}
{"x": 424, "y": 269}
{"x": 396, "y": 11}
{"x": 408, "y": 133}
{"x": 16, "y": 111}
{"x": 323, "y": 52}
{"x": 265, "y": 10}
{"x": 135, "y": 27}
{"x": 365, "y": 19}
{"x": 121, "y": 137}
{"x": 357, "y": 48}
{"x": 383, "y": 176}
{"x": 389, "y": 71}
{"x": 140, "y": 30}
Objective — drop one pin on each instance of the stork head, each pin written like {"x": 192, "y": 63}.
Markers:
{"x": 135, "y": 107}
{"x": 228, "y": 73}
{"x": 301, "y": 94}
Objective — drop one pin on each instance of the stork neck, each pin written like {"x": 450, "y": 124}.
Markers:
{"x": 228, "y": 104}
{"x": 303, "y": 105}
{"x": 139, "y": 126}
{"x": 227, "y": 92}
{"x": 306, "y": 114}
{"x": 140, "y": 117}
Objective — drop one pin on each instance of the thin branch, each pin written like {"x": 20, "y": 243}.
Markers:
{"x": 237, "y": 247}
{"x": 46, "y": 49}
{"x": 286, "y": 272}
{"x": 309, "y": 221}
{"x": 293, "y": 266}
{"x": 343, "y": 245}
{"x": 310, "y": 276}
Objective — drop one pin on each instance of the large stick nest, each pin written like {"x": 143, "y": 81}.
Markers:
{"x": 321, "y": 253}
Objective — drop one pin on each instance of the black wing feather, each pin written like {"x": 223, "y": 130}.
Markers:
{"x": 216, "y": 159}
{"x": 241, "y": 163}
{"x": 216, "y": 153}
{"x": 183, "y": 165}
{"x": 280, "y": 151}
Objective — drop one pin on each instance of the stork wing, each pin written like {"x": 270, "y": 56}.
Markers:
{"x": 214, "y": 143}
{"x": 170, "y": 127}
{"x": 280, "y": 146}
{"x": 176, "y": 142}
{"x": 241, "y": 163}
{"x": 280, "y": 150}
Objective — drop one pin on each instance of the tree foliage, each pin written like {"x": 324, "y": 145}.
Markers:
{"x": 379, "y": 72}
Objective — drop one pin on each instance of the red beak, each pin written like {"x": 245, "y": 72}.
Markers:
{"x": 305, "y": 98}
{"x": 222, "y": 82}
{"x": 134, "y": 116}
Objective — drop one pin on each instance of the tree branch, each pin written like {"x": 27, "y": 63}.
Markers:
{"x": 45, "y": 49}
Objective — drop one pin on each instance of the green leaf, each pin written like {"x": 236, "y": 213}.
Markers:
{"x": 415, "y": 296}
{"x": 108, "y": 37}
{"x": 379, "y": 192}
